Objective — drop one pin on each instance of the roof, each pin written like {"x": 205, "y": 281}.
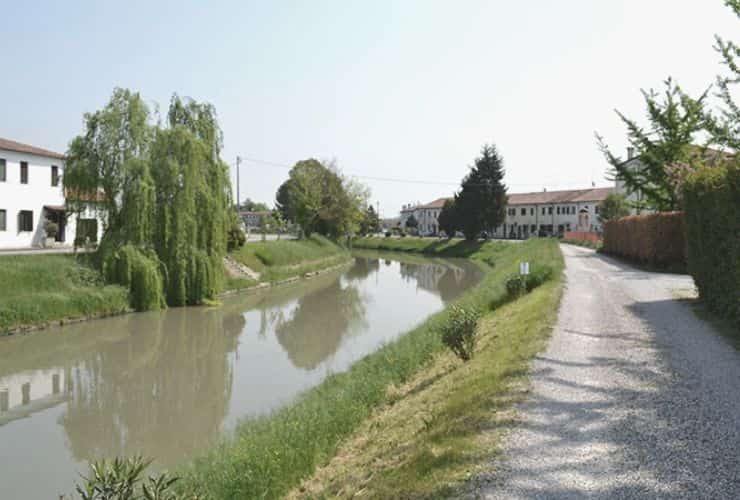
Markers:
{"x": 19, "y": 147}
{"x": 438, "y": 203}
{"x": 570, "y": 196}
{"x": 252, "y": 212}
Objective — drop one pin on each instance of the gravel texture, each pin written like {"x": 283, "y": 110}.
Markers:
{"x": 635, "y": 397}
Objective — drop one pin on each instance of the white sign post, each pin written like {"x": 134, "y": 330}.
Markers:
{"x": 524, "y": 268}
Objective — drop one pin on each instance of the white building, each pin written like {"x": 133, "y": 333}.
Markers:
{"x": 426, "y": 215}
{"x": 31, "y": 193}
{"x": 552, "y": 213}
{"x": 528, "y": 214}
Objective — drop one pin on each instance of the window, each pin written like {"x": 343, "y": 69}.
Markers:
{"x": 524, "y": 211}
{"x": 3, "y": 220}
{"x": 25, "y": 220}
{"x": 549, "y": 210}
{"x": 596, "y": 209}
{"x": 531, "y": 211}
{"x": 533, "y": 228}
{"x": 54, "y": 175}
{"x": 24, "y": 172}
{"x": 3, "y": 172}
{"x": 558, "y": 210}
{"x": 543, "y": 210}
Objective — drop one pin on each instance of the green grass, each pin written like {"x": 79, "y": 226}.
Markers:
{"x": 279, "y": 260}
{"x": 37, "y": 289}
{"x": 269, "y": 456}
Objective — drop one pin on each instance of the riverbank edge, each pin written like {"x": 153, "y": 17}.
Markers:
{"x": 445, "y": 425}
{"x": 266, "y": 285}
{"x": 267, "y": 457}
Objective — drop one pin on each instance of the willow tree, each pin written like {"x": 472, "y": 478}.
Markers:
{"x": 166, "y": 197}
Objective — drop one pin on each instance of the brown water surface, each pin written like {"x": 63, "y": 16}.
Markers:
{"x": 169, "y": 384}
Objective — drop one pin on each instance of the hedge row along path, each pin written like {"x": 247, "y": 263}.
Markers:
{"x": 635, "y": 397}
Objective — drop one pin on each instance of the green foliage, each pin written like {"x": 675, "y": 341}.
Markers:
{"x": 370, "y": 223}
{"x": 139, "y": 272}
{"x": 726, "y": 128}
{"x": 712, "y": 197}
{"x": 166, "y": 195}
{"x": 235, "y": 237}
{"x": 270, "y": 455}
{"x": 481, "y": 203}
{"x": 41, "y": 288}
{"x": 411, "y": 222}
{"x": 447, "y": 220}
{"x": 459, "y": 333}
{"x": 121, "y": 479}
{"x": 516, "y": 286}
{"x": 254, "y": 206}
{"x": 539, "y": 275}
{"x": 51, "y": 229}
{"x": 320, "y": 200}
{"x": 614, "y": 206}
{"x": 665, "y": 150}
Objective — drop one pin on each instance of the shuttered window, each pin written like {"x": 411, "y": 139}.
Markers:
{"x": 24, "y": 172}
{"x": 25, "y": 220}
{"x": 3, "y": 170}
{"x": 3, "y": 220}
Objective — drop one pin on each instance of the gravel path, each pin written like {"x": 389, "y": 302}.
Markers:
{"x": 634, "y": 397}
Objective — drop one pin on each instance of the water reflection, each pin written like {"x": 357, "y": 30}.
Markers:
{"x": 167, "y": 384}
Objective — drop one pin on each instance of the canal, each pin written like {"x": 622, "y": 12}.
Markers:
{"x": 169, "y": 384}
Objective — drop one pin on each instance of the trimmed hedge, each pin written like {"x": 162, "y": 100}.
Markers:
{"x": 712, "y": 201}
{"x": 654, "y": 239}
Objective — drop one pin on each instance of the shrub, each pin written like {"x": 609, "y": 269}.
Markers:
{"x": 654, "y": 239}
{"x": 538, "y": 276}
{"x": 458, "y": 332}
{"x": 516, "y": 286}
{"x": 120, "y": 479}
{"x": 712, "y": 201}
{"x": 387, "y": 234}
{"x": 235, "y": 238}
{"x": 51, "y": 229}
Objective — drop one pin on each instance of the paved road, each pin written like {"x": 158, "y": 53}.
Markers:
{"x": 634, "y": 397}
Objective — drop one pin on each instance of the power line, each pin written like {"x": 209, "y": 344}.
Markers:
{"x": 390, "y": 179}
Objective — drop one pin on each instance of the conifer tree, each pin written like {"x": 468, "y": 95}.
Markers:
{"x": 481, "y": 203}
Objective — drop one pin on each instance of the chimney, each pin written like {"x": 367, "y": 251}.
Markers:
{"x": 630, "y": 152}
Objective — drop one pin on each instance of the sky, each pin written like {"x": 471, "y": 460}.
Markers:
{"x": 400, "y": 89}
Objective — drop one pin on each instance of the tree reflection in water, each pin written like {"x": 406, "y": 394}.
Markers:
{"x": 130, "y": 396}
{"x": 317, "y": 325}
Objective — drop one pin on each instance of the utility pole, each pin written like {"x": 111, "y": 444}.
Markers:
{"x": 238, "y": 199}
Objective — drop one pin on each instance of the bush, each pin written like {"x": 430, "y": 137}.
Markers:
{"x": 538, "y": 276}
{"x": 458, "y": 332}
{"x": 654, "y": 239}
{"x": 712, "y": 201}
{"x": 235, "y": 238}
{"x": 516, "y": 286}
{"x": 120, "y": 479}
{"x": 387, "y": 234}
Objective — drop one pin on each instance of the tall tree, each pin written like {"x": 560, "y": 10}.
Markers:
{"x": 166, "y": 196}
{"x": 320, "y": 200}
{"x": 411, "y": 222}
{"x": 254, "y": 206}
{"x": 665, "y": 150}
{"x": 370, "y": 222}
{"x": 481, "y": 203}
{"x": 447, "y": 219}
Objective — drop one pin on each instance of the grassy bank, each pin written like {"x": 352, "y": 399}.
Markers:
{"x": 279, "y": 260}
{"x": 38, "y": 289}
{"x": 269, "y": 456}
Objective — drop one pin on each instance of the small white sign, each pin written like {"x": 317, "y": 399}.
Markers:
{"x": 524, "y": 268}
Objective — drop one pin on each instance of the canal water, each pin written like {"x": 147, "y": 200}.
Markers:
{"x": 169, "y": 384}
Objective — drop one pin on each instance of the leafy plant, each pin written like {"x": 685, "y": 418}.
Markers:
{"x": 515, "y": 287}
{"x": 51, "y": 229}
{"x": 120, "y": 479}
{"x": 458, "y": 332}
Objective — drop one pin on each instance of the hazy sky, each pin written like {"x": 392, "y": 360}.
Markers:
{"x": 403, "y": 89}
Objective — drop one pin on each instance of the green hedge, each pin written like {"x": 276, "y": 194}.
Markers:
{"x": 712, "y": 203}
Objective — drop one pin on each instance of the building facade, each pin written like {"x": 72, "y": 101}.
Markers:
{"x": 31, "y": 194}
{"x": 426, "y": 215}
{"x": 543, "y": 213}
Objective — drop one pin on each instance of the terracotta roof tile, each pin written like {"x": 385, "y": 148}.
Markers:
{"x": 18, "y": 147}
{"x": 570, "y": 196}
